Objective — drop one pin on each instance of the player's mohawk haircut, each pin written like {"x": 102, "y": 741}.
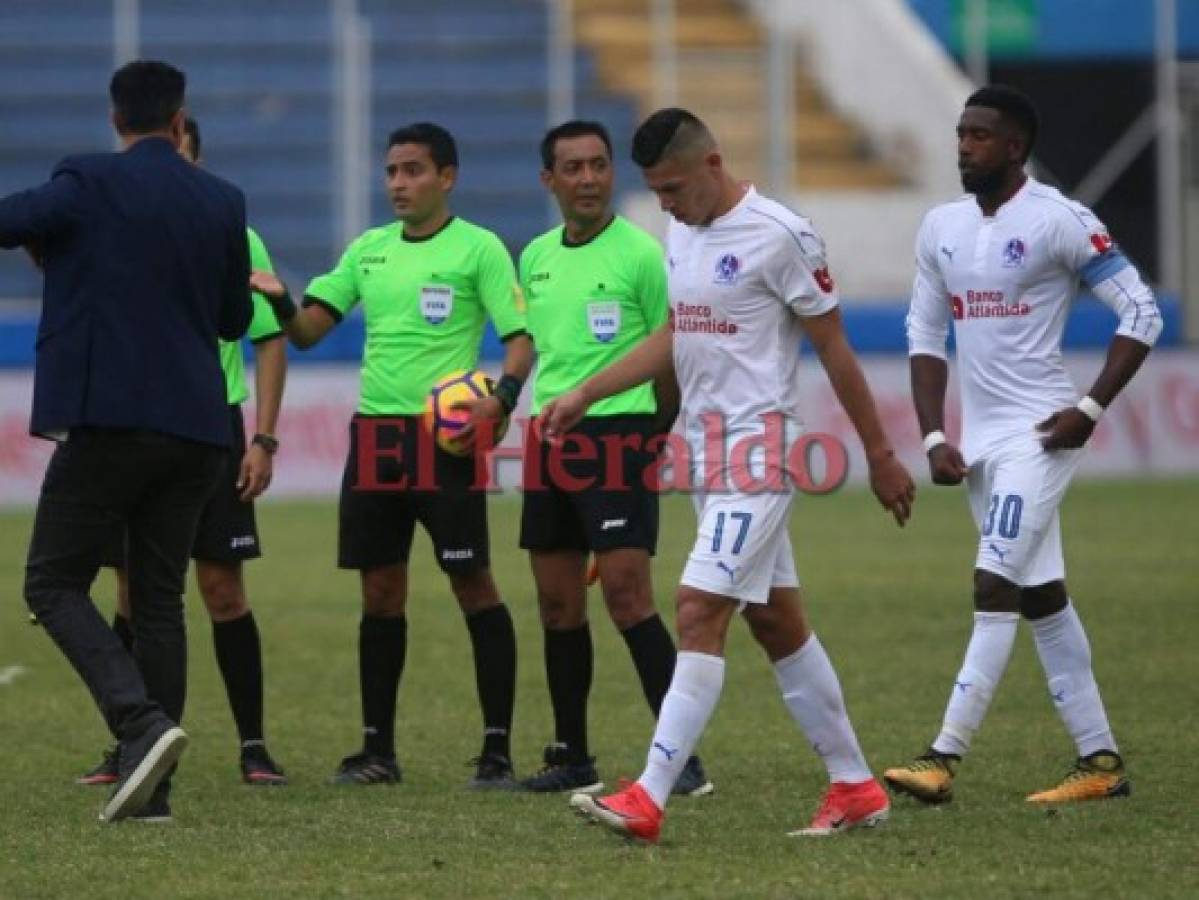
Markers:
{"x": 664, "y": 132}
{"x": 1011, "y": 103}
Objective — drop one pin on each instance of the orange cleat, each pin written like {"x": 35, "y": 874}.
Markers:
{"x": 1095, "y": 777}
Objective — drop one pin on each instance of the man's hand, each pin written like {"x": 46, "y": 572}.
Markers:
{"x": 893, "y": 486}
{"x": 946, "y": 465}
{"x": 486, "y": 418}
{"x": 562, "y": 414}
{"x": 1066, "y": 429}
{"x": 267, "y": 284}
{"x": 254, "y": 477}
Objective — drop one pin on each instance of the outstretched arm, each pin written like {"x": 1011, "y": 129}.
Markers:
{"x": 649, "y": 359}
{"x": 305, "y": 326}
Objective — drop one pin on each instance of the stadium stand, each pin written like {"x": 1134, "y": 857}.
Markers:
{"x": 261, "y": 81}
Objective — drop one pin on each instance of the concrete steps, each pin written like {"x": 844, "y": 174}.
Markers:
{"x": 720, "y": 59}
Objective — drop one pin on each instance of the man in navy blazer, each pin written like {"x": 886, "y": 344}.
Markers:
{"x": 146, "y": 265}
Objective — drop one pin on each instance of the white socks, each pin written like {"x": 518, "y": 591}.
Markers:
{"x": 986, "y": 659}
{"x": 694, "y": 690}
{"x": 813, "y": 695}
{"x": 1066, "y": 657}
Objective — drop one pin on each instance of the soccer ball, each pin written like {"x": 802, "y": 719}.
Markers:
{"x": 443, "y": 421}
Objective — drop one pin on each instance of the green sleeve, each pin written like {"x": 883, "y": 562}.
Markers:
{"x": 651, "y": 287}
{"x": 264, "y": 324}
{"x": 523, "y": 268}
{"x": 498, "y": 289}
{"x": 338, "y": 288}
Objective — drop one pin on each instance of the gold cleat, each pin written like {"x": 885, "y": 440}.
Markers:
{"x": 928, "y": 778}
{"x": 1095, "y": 777}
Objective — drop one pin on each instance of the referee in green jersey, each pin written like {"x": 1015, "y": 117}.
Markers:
{"x": 427, "y": 284}
{"x": 595, "y": 287}
{"x": 228, "y": 533}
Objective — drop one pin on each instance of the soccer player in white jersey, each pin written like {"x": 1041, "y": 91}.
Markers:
{"x": 1004, "y": 262}
{"x": 747, "y": 279}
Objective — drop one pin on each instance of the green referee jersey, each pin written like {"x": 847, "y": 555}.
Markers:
{"x": 425, "y": 301}
{"x": 262, "y": 326}
{"x": 588, "y": 305}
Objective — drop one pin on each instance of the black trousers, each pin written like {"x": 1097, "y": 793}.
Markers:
{"x": 152, "y": 486}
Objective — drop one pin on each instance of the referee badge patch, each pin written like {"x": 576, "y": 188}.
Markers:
{"x": 604, "y": 320}
{"x": 436, "y": 302}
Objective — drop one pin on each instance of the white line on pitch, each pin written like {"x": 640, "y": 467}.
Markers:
{"x": 9, "y": 674}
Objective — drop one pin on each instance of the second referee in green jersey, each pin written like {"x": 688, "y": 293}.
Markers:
{"x": 595, "y": 287}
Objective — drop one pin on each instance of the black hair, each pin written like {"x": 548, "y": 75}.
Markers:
{"x": 442, "y": 149}
{"x": 146, "y": 94}
{"x": 192, "y": 128}
{"x": 1013, "y": 105}
{"x": 572, "y": 129}
{"x": 656, "y": 133}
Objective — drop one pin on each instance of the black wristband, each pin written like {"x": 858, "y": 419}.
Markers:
{"x": 283, "y": 307}
{"x": 507, "y": 391}
{"x": 267, "y": 442}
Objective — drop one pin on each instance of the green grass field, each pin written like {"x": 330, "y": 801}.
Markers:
{"x": 892, "y": 607}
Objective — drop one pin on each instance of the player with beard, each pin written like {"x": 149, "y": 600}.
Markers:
{"x": 1005, "y": 262}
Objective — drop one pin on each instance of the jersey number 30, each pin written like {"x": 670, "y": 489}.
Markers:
{"x": 1009, "y": 515}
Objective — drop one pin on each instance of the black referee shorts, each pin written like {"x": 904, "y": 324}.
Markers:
{"x": 608, "y": 506}
{"x": 228, "y": 529}
{"x": 385, "y": 493}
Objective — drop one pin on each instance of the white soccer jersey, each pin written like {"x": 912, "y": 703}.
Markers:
{"x": 737, "y": 290}
{"x": 1007, "y": 282}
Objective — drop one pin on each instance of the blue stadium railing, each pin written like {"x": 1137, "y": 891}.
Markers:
{"x": 872, "y": 328}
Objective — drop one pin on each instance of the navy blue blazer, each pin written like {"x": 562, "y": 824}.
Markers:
{"x": 146, "y": 265}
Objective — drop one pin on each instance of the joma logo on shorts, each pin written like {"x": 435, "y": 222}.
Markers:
{"x": 246, "y": 540}
{"x": 457, "y": 554}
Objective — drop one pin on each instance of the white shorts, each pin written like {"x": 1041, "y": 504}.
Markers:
{"x": 1015, "y": 492}
{"x": 743, "y": 548}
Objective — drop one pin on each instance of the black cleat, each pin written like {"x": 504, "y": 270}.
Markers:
{"x": 692, "y": 781}
{"x": 107, "y": 772}
{"x": 492, "y": 773}
{"x": 158, "y": 810}
{"x": 561, "y": 774}
{"x": 145, "y": 761}
{"x": 257, "y": 767}
{"x": 367, "y": 768}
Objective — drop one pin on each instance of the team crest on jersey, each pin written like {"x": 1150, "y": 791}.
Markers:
{"x": 728, "y": 268}
{"x": 436, "y": 302}
{"x": 1013, "y": 253}
{"x": 604, "y": 320}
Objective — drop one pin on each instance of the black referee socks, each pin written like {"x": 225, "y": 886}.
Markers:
{"x": 568, "y": 669}
{"x": 239, "y": 656}
{"x": 653, "y": 654}
{"x": 382, "y": 646}
{"x": 494, "y": 641}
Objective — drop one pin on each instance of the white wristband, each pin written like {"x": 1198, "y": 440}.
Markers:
{"x": 933, "y": 439}
{"x": 1090, "y": 408}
